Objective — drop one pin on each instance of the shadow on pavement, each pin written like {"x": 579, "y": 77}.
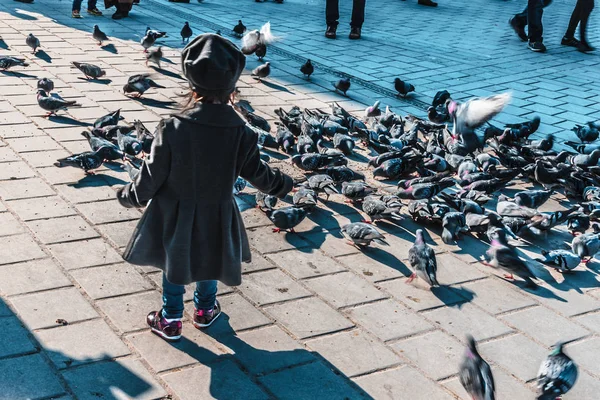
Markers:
{"x": 168, "y": 73}
{"x": 42, "y": 55}
{"x": 17, "y": 74}
{"x": 110, "y": 48}
{"x": 61, "y": 119}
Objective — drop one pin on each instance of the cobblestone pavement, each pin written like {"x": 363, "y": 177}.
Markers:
{"x": 314, "y": 317}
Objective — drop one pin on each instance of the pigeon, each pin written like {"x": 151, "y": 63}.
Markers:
{"x": 557, "y": 374}
{"x": 377, "y": 209}
{"x": 262, "y": 71}
{"x": 239, "y": 185}
{"x": 139, "y": 84}
{"x": 89, "y": 70}
{"x": 128, "y": 144}
{"x": 403, "y": 88}
{"x": 186, "y": 33}
{"x": 32, "y": 42}
{"x": 356, "y": 191}
{"x": 578, "y": 223}
{"x": 155, "y": 33}
{"x": 47, "y": 85}
{"x": 307, "y": 69}
{"x": 265, "y": 201}
{"x": 321, "y": 183}
{"x": 257, "y": 38}
{"x": 285, "y": 139}
{"x": 261, "y": 51}
{"x": 132, "y": 171}
{"x": 344, "y": 143}
{"x": 143, "y": 135}
{"x": 504, "y": 256}
{"x": 373, "y": 111}
{"x": 362, "y": 234}
{"x": 316, "y": 161}
{"x": 440, "y": 98}
{"x": 586, "y": 245}
{"x": 532, "y": 198}
{"x": 7, "y": 62}
{"x": 154, "y": 56}
{"x": 452, "y": 223}
{"x": 98, "y": 35}
{"x": 87, "y": 161}
{"x": 342, "y": 85}
{"x": 239, "y": 29}
{"x": 342, "y": 173}
{"x": 110, "y": 151}
{"x": 588, "y": 132}
{"x": 256, "y": 120}
{"x": 422, "y": 259}
{"x": 475, "y": 373}
{"x": 53, "y": 104}
{"x": 562, "y": 260}
{"x": 110, "y": 119}
{"x": 150, "y": 38}
{"x": 286, "y": 218}
{"x": 305, "y": 197}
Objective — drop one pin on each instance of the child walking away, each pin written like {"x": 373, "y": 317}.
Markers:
{"x": 192, "y": 229}
{"x": 91, "y": 8}
{"x": 580, "y": 17}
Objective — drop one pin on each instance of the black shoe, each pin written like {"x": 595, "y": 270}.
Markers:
{"x": 569, "y": 41}
{"x": 584, "y": 47}
{"x": 519, "y": 28}
{"x": 204, "y": 318}
{"x": 538, "y": 47}
{"x": 428, "y": 3}
{"x": 330, "y": 33}
{"x": 118, "y": 15}
{"x": 354, "y": 33}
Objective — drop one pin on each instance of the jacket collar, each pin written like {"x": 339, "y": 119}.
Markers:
{"x": 213, "y": 115}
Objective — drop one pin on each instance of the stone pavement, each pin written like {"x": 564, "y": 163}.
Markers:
{"x": 314, "y": 317}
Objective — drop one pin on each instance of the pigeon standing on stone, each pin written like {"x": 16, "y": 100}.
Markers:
{"x": 562, "y": 260}
{"x": 87, "y": 161}
{"x": 403, "y": 88}
{"x": 129, "y": 144}
{"x": 262, "y": 71}
{"x": 557, "y": 374}
{"x": 98, "y": 35}
{"x": 6, "y": 62}
{"x": 239, "y": 29}
{"x": 89, "y": 70}
{"x": 186, "y": 33}
{"x": 139, "y": 84}
{"x": 32, "y": 42}
{"x": 305, "y": 197}
{"x": 362, "y": 234}
{"x": 307, "y": 69}
{"x": 322, "y": 183}
{"x": 586, "y": 245}
{"x": 343, "y": 85}
{"x": 286, "y": 218}
{"x": 475, "y": 373}
{"x": 588, "y": 132}
{"x": 47, "y": 85}
{"x": 154, "y": 56}
{"x": 422, "y": 259}
{"x": 53, "y": 104}
{"x": 356, "y": 191}
{"x": 109, "y": 151}
{"x": 110, "y": 119}
{"x": 452, "y": 224}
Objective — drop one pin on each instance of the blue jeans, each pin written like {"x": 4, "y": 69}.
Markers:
{"x": 77, "y": 5}
{"x": 205, "y": 297}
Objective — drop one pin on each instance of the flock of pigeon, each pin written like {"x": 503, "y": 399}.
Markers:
{"x": 442, "y": 177}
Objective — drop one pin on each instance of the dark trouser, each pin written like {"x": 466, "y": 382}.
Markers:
{"x": 580, "y": 16}
{"x": 332, "y": 13}
{"x": 532, "y": 16}
{"x": 77, "y": 5}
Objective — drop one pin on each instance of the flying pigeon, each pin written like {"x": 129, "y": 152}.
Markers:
{"x": 139, "y": 84}
{"x": 239, "y": 29}
{"x": 87, "y": 161}
{"x": 99, "y": 35}
{"x": 362, "y": 234}
{"x": 47, "y": 85}
{"x": 89, "y": 70}
{"x": 32, "y": 42}
{"x": 256, "y": 39}
{"x": 503, "y": 255}
{"x": 373, "y": 111}
{"x": 7, "y": 62}
{"x": 403, "y": 88}
{"x": 475, "y": 373}
{"x": 154, "y": 56}
{"x": 262, "y": 71}
{"x": 286, "y": 218}
{"x": 342, "y": 85}
{"x": 422, "y": 259}
{"x": 186, "y": 33}
{"x": 557, "y": 374}
{"x": 53, "y": 104}
{"x": 307, "y": 69}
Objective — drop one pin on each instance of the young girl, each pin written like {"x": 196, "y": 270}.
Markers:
{"x": 192, "y": 228}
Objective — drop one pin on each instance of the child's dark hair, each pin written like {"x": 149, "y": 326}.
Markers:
{"x": 194, "y": 96}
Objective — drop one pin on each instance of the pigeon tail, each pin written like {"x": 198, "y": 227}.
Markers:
{"x": 381, "y": 241}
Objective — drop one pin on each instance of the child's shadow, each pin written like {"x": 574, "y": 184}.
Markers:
{"x": 295, "y": 373}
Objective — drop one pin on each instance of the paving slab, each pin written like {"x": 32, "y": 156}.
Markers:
{"x": 271, "y": 286}
{"x": 64, "y": 229}
{"x": 41, "y": 208}
{"x": 419, "y": 296}
{"x": 507, "y": 387}
{"x": 584, "y": 353}
{"x": 36, "y": 378}
{"x": 15, "y": 341}
{"x": 128, "y": 313}
{"x": 84, "y": 253}
{"x": 32, "y": 276}
{"x": 110, "y": 280}
{"x": 344, "y": 289}
{"x": 24, "y": 188}
{"x": 497, "y": 297}
{"x": 19, "y": 248}
{"x": 9, "y": 225}
{"x": 309, "y": 265}
{"x": 517, "y": 347}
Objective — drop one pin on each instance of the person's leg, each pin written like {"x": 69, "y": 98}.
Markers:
{"x": 358, "y": 13}
{"x": 332, "y": 12}
{"x": 518, "y": 22}
{"x": 586, "y": 10}
{"x": 574, "y": 21}
{"x": 534, "y": 20}
{"x": 172, "y": 299}
{"x": 92, "y": 9}
{"x": 206, "y": 304}
{"x": 76, "y": 5}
